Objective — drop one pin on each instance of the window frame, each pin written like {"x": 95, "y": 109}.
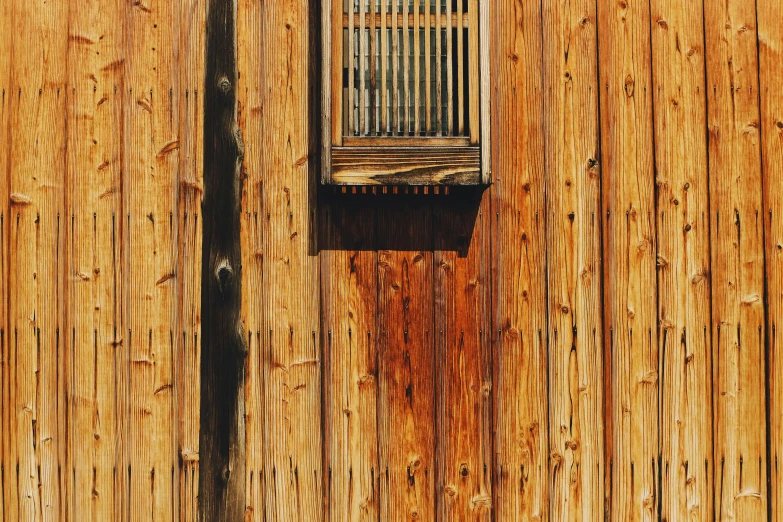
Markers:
{"x": 401, "y": 160}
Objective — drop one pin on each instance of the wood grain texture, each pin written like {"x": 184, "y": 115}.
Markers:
{"x": 737, "y": 239}
{"x": 684, "y": 334}
{"x": 187, "y": 332}
{"x": 276, "y": 41}
{"x": 519, "y": 334}
{"x": 463, "y": 360}
{"x": 94, "y": 194}
{"x": 574, "y": 261}
{"x": 349, "y": 278}
{"x": 770, "y": 35}
{"x": 406, "y": 415}
{"x": 148, "y": 234}
{"x": 406, "y": 166}
{"x": 36, "y": 258}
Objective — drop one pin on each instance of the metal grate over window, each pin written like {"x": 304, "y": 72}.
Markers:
{"x": 405, "y": 92}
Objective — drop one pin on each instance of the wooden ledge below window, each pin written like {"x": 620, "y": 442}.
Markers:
{"x": 406, "y": 166}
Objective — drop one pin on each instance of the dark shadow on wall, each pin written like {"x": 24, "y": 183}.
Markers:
{"x": 398, "y": 222}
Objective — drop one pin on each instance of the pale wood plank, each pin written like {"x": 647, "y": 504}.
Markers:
{"x": 438, "y": 69}
{"x": 373, "y": 86}
{"x": 406, "y": 67}
{"x": 474, "y": 74}
{"x": 405, "y": 365}
{"x": 770, "y": 34}
{"x": 96, "y": 53}
{"x": 150, "y": 292}
{"x": 630, "y": 330}
{"x": 485, "y": 89}
{"x": 684, "y": 337}
{"x": 737, "y": 242}
{"x": 36, "y": 260}
{"x": 395, "y": 58}
{"x": 519, "y": 330}
{"x": 334, "y": 44}
{"x": 353, "y": 125}
{"x": 574, "y": 261}
{"x": 428, "y": 65}
{"x": 281, "y": 195}
{"x": 385, "y": 63}
{"x": 187, "y": 331}
{"x": 349, "y": 296}
{"x": 463, "y": 361}
{"x": 416, "y": 67}
{"x": 363, "y": 87}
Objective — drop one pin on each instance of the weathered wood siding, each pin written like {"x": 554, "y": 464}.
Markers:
{"x": 595, "y": 336}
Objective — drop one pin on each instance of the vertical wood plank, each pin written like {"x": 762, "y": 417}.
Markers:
{"x": 417, "y": 66}
{"x": 770, "y": 34}
{"x": 521, "y": 489}
{"x": 363, "y": 85}
{"x": 474, "y": 74}
{"x": 574, "y": 266}
{"x": 485, "y": 86}
{"x": 149, "y": 201}
{"x": 353, "y": 126}
{"x": 281, "y": 190}
{"x": 373, "y": 85}
{"x": 7, "y": 481}
{"x": 463, "y": 361}
{"x": 332, "y": 104}
{"x": 406, "y": 364}
{"x": 187, "y": 332}
{"x": 428, "y": 66}
{"x": 395, "y": 59}
{"x": 96, "y": 65}
{"x": 438, "y": 68}
{"x": 460, "y": 70}
{"x": 348, "y": 296}
{"x": 385, "y": 62}
{"x": 737, "y": 239}
{"x": 406, "y": 65}
{"x": 629, "y": 244}
{"x": 684, "y": 335}
{"x": 36, "y": 256}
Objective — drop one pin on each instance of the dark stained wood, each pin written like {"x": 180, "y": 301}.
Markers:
{"x": 684, "y": 332}
{"x": 406, "y": 165}
{"x": 519, "y": 333}
{"x": 223, "y": 346}
{"x": 406, "y": 434}
{"x": 737, "y": 245}
{"x": 574, "y": 261}
{"x": 630, "y": 327}
{"x": 463, "y": 360}
{"x": 770, "y": 34}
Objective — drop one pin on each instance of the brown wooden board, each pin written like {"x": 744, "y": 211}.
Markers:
{"x": 630, "y": 315}
{"x": 770, "y": 34}
{"x": 684, "y": 333}
{"x": 519, "y": 333}
{"x": 349, "y": 278}
{"x": 737, "y": 245}
{"x": 463, "y": 360}
{"x": 36, "y": 258}
{"x": 574, "y": 261}
{"x": 406, "y": 364}
{"x": 94, "y": 191}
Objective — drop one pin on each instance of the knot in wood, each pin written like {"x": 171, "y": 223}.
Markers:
{"x": 223, "y": 274}
{"x": 224, "y": 85}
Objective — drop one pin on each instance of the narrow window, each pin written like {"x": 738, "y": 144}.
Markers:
{"x": 405, "y": 89}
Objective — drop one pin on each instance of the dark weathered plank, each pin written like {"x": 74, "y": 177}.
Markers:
{"x": 463, "y": 360}
{"x": 282, "y": 284}
{"x": 348, "y": 297}
{"x": 521, "y": 489}
{"x": 406, "y": 165}
{"x": 223, "y": 345}
{"x": 96, "y": 52}
{"x": 406, "y": 435}
{"x": 630, "y": 330}
{"x": 737, "y": 228}
{"x": 684, "y": 334}
{"x": 187, "y": 332}
{"x": 770, "y": 34}
{"x": 36, "y": 257}
{"x": 574, "y": 264}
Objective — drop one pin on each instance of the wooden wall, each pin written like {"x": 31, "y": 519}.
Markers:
{"x": 593, "y": 337}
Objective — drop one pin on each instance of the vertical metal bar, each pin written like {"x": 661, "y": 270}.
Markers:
{"x": 362, "y": 67}
{"x": 460, "y": 69}
{"x": 351, "y": 80}
{"x": 406, "y": 65}
{"x": 449, "y": 70}
{"x": 416, "y": 66}
{"x": 384, "y": 65}
{"x": 438, "y": 67}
